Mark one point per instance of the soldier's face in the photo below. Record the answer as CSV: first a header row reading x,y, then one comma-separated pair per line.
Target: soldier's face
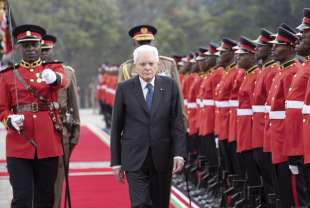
x,y
303,48
146,66
46,54
245,60
262,52
30,50
280,52
225,57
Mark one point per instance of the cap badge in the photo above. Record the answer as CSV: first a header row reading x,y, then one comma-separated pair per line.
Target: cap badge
x,y
143,30
28,33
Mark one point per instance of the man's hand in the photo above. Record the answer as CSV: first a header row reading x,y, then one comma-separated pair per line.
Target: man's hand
x,y
119,174
178,165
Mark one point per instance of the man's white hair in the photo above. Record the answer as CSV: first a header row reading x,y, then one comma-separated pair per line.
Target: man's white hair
x,y
143,49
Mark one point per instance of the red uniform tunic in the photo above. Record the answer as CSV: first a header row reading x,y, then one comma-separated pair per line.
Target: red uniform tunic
x,y
234,104
279,91
269,79
222,95
244,111
206,96
259,100
188,79
37,125
306,117
293,143
192,105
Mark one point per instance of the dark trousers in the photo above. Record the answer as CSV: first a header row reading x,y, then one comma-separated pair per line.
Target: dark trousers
x,y
149,188
250,168
266,170
208,149
284,184
235,159
32,182
302,187
225,160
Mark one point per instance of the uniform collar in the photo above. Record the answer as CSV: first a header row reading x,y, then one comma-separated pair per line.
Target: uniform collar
x,y
288,63
28,65
268,63
230,66
251,69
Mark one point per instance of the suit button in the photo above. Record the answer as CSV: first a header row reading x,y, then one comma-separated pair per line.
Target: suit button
x,y
270,124
31,70
31,80
34,116
290,89
304,120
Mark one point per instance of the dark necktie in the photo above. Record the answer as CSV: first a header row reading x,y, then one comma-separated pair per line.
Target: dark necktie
x,y
149,96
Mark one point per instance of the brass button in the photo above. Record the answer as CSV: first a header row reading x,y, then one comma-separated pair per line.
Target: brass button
x,y
34,116
270,124
290,89
304,120
31,70
31,80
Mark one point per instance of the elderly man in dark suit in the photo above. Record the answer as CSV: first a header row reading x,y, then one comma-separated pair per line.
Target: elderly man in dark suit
x,y
148,133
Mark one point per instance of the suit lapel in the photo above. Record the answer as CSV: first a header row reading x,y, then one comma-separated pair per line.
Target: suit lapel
x,y
139,94
157,95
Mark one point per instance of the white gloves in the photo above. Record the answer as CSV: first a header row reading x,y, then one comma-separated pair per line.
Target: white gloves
x,y
16,121
294,169
49,76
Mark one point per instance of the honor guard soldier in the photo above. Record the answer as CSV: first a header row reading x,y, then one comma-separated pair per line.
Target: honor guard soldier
x,y
261,90
284,53
246,60
68,113
205,100
28,108
221,97
293,146
303,49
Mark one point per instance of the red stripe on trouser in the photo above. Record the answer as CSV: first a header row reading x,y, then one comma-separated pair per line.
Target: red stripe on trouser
x,y
294,191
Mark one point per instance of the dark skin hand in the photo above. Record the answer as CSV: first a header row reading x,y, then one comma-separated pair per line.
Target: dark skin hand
x,y
30,50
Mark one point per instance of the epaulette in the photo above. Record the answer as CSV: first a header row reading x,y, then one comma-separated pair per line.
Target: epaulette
x,y
69,67
166,58
129,61
52,62
7,68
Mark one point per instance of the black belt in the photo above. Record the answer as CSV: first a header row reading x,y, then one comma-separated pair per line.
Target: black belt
x,y
35,107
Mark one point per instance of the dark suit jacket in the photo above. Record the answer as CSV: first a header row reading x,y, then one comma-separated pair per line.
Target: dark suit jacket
x,y
135,130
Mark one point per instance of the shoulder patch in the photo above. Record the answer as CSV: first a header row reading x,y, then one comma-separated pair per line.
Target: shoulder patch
x,y
166,58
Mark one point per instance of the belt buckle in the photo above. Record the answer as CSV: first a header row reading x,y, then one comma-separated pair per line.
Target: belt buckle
x,y
34,107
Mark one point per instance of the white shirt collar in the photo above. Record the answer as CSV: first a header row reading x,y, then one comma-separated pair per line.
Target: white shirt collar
x,y
144,83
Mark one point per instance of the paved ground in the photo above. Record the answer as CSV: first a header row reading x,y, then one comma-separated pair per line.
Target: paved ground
x,y
87,117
